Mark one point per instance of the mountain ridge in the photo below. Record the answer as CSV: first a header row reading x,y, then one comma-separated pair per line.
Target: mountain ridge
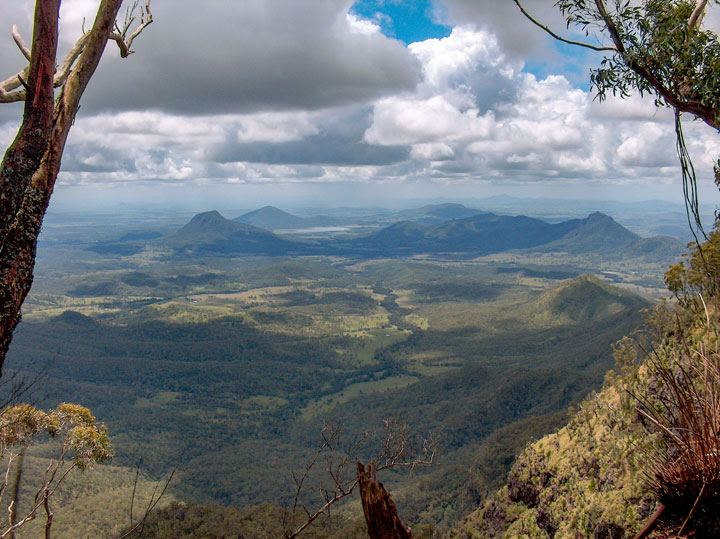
x,y
480,234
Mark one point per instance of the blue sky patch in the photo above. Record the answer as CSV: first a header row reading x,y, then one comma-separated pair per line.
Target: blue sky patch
x,y
573,62
406,20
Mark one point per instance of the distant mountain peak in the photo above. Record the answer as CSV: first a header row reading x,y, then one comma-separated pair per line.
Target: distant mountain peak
x,y
211,233
445,205
208,217
271,217
270,210
208,220
599,216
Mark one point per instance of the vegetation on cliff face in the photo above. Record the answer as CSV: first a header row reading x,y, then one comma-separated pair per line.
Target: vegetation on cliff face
x,y
585,478
648,439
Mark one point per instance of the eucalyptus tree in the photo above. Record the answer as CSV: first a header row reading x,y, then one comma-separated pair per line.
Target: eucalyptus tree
x,y
32,162
660,49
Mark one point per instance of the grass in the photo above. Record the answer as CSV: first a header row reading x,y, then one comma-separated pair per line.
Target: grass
x,y
327,403
373,340
431,363
161,398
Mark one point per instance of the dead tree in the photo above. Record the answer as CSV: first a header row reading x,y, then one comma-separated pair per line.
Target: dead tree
x,y
381,515
31,164
337,460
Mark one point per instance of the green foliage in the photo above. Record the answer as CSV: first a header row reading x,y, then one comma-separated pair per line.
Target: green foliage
x,y
660,54
689,281
71,427
72,424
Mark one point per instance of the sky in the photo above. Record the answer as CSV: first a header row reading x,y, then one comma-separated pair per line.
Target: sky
x,y
230,103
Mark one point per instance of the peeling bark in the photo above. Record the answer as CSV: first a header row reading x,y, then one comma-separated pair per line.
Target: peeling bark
x,y
31,164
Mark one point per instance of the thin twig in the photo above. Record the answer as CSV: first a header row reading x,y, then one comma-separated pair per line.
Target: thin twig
x,y
559,37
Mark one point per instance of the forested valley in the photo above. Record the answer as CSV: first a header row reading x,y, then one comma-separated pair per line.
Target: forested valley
x,y
227,366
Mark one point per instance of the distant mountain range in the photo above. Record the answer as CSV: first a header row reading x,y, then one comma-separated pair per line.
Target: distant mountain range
x,y
488,233
437,229
272,218
436,213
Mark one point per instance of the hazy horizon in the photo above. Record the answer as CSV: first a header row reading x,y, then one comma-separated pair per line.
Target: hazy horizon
x,y
364,102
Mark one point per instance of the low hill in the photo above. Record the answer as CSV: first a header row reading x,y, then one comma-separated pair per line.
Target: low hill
x,y
581,299
211,233
271,218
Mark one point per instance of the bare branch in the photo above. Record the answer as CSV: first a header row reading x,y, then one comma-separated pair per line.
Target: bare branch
x,y
12,508
698,13
559,37
154,500
7,95
396,448
48,513
20,42
146,18
118,36
63,72
11,89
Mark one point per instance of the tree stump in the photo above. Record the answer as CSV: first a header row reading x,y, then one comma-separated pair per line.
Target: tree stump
x,y
381,514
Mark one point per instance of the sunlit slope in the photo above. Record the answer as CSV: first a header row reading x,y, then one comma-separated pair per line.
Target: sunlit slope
x,y
581,300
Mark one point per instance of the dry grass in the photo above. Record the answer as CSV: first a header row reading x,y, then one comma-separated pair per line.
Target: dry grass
x,y
684,470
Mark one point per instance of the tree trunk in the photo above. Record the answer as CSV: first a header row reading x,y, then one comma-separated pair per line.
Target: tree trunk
x,y
31,164
18,234
381,514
